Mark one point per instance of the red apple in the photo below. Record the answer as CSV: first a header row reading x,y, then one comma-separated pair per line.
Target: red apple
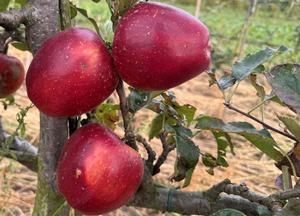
x,y
71,73
97,172
11,75
157,46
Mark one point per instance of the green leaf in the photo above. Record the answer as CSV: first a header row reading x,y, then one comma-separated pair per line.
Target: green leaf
x,y
292,125
108,114
285,81
228,212
3,5
84,13
259,138
222,161
188,112
22,129
20,45
73,11
96,1
226,81
209,160
259,88
187,155
156,126
9,100
138,99
243,68
188,177
167,104
293,156
223,141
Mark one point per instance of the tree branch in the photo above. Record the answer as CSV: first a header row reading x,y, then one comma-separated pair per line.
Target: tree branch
x,y
229,106
151,153
13,18
188,203
18,149
243,191
4,36
292,193
163,157
25,158
129,133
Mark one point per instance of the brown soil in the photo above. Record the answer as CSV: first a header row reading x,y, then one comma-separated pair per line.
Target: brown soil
x,y
18,184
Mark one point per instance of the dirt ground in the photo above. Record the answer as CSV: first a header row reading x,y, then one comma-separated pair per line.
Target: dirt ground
x,y
18,184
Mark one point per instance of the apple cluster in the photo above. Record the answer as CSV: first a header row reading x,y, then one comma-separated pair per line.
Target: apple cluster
x,y
155,47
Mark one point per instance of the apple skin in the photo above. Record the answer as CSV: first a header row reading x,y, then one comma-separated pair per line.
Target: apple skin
x,y
12,75
157,47
97,172
71,73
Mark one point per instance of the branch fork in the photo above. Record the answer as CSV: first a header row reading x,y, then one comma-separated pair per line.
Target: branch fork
x,y
12,19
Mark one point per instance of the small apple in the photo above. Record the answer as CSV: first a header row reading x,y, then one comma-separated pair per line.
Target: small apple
x,y
157,47
71,73
11,75
97,172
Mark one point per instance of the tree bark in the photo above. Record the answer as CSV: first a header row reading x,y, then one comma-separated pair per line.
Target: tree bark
x,y
194,203
53,131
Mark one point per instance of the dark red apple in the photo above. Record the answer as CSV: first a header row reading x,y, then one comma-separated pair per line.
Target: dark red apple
x,y
97,172
71,73
157,46
11,75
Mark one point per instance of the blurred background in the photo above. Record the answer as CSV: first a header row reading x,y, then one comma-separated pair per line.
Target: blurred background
x,y
237,29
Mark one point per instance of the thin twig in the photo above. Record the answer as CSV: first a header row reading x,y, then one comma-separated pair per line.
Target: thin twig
x,y
163,157
245,28
273,202
229,106
27,159
242,190
291,193
260,104
151,153
123,104
129,133
216,189
198,7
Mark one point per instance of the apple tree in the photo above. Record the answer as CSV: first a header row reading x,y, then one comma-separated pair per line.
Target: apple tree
x,y
82,164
